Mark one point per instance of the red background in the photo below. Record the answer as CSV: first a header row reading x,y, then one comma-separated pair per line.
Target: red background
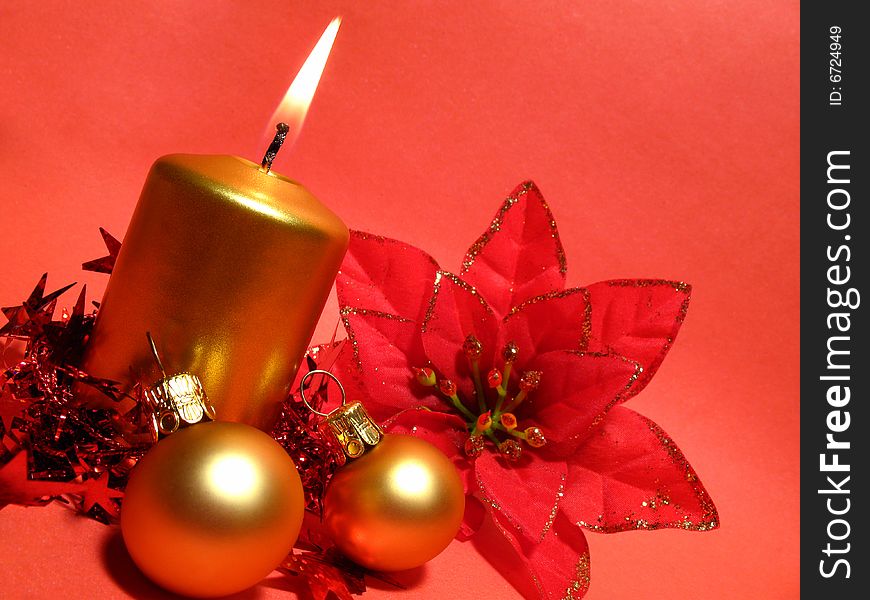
x,y
665,136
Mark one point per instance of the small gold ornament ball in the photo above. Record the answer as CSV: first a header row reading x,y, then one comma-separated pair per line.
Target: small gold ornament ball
x,y
397,506
212,509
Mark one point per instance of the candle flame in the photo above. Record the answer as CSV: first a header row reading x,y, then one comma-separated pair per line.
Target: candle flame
x,y
294,106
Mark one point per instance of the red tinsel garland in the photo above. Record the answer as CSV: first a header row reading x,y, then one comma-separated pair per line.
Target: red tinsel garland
x,y
547,426
54,449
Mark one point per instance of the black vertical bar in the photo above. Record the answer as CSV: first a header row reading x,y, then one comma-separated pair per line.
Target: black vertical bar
x,y
834,265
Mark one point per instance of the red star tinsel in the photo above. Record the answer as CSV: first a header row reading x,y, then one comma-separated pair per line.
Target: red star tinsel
x,y
53,448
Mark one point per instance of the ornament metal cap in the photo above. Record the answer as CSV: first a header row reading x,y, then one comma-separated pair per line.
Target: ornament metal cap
x,y
176,400
349,425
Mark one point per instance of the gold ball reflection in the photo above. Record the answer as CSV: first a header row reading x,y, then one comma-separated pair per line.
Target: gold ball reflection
x,y
397,506
212,509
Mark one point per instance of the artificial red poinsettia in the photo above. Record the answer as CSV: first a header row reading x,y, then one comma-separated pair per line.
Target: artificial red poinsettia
x,y
520,381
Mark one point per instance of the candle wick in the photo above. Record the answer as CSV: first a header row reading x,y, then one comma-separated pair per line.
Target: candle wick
x,y
272,151
156,355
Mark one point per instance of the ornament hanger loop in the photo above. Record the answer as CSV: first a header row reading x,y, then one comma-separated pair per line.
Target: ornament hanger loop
x,y
328,374
155,354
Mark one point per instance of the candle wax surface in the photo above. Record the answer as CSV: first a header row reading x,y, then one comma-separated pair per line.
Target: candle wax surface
x,y
228,267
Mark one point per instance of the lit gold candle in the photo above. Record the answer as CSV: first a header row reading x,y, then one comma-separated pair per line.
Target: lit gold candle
x,y
228,265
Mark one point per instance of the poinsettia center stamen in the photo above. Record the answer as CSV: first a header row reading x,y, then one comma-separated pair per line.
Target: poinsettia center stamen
x,y
510,449
448,388
493,380
533,436
482,424
508,421
528,382
424,376
472,349
509,355
474,446
500,424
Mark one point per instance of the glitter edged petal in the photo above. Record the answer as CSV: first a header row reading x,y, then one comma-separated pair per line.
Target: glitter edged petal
x,y
553,321
385,275
540,483
576,391
445,431
455,311
558,566
376,363
519,255
638,318
629,474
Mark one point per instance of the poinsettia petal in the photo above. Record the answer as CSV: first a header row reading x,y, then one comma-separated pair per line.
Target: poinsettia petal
x,y
377,362
445,431
472,520
539,482
629,474
456,310
520,255
554,321
386,275
558,566
575,392
638,318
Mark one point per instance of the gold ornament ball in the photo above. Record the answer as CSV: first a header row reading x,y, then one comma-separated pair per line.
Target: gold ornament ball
x,y
397,506
212,509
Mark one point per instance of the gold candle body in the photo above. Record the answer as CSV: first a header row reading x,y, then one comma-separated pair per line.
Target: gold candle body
x,y
228,267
